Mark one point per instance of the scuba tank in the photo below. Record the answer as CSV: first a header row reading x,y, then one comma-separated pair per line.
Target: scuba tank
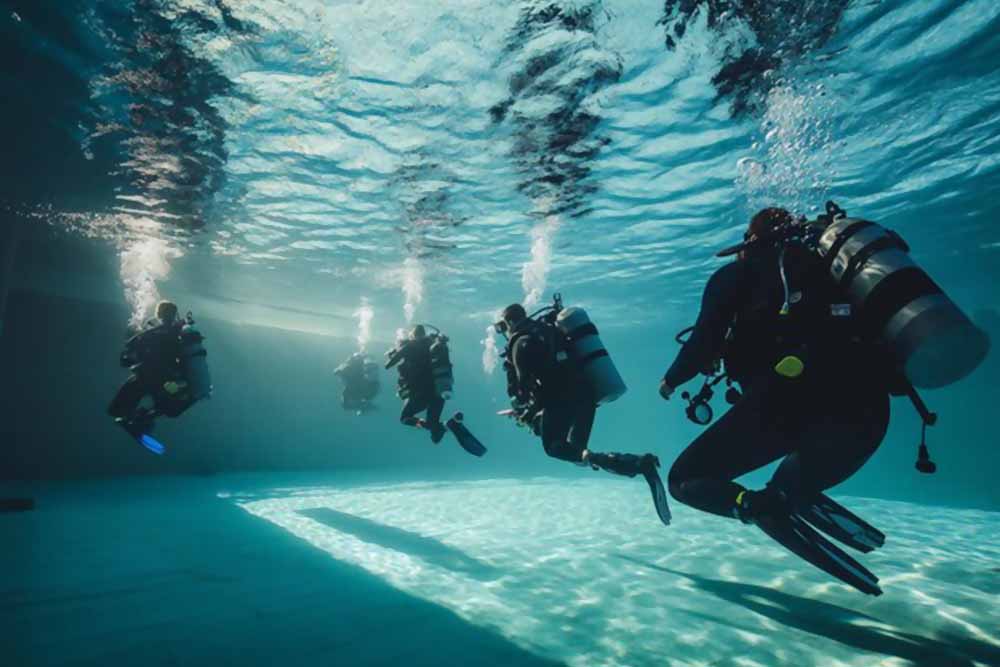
x,y
932,341
444,379
586,349
194,361
371,371
371,379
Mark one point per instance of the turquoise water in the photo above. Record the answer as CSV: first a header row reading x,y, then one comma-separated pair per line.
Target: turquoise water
x,y
309,177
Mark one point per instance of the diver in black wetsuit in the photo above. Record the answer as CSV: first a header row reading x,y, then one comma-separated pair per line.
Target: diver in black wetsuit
x,y
154,358
361,385
417,383
815,391
811,392
551,395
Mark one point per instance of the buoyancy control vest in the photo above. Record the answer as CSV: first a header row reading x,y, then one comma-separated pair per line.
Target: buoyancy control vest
x,y
155,346
572,352
172,356
424,366
889,302
803,329
894,306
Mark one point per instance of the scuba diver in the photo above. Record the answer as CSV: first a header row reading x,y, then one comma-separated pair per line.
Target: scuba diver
x,y
558,373
168,364
361,384
425,383
818,322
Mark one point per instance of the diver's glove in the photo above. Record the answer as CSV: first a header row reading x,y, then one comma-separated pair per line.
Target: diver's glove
x,y
525,413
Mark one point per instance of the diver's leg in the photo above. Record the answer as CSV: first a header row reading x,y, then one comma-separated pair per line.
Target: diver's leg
x,y
411,407
125,402
435,407
750,435
834,446
557,420
172,406
628,465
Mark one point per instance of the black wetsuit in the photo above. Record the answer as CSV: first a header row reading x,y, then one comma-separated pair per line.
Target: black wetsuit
x,y
568,408
416,377
156,356
359,389
826,423
539,377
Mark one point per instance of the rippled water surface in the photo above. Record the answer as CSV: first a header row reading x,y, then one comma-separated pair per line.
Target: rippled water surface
x,y
444,158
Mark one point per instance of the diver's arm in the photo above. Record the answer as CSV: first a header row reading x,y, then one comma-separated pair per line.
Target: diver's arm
x,y
702,349
395,355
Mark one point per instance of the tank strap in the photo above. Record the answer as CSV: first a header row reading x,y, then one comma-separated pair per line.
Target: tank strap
x,y
596,354
890,241
582,332
842,237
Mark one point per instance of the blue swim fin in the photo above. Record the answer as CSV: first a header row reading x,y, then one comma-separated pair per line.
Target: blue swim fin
x,y
151,443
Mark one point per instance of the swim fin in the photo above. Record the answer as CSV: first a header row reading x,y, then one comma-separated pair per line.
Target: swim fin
x,y
468,441
139,428
793,533
841,524
151,443
656,488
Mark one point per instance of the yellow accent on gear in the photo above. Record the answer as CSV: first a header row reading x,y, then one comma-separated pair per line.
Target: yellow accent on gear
x,y
790,367
172,387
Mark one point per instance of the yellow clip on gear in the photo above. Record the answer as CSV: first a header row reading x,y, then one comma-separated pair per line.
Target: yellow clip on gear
x,y
789,367
173,388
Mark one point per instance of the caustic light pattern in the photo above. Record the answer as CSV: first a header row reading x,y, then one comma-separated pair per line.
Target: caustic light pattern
x,y
582,572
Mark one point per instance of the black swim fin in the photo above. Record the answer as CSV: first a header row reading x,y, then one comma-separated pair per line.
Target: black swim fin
x,y
841,524
468,441
657,489
792,532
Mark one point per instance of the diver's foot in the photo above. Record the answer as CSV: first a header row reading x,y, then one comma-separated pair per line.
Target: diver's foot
x,y
751,505
648,464
136,427
437,432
